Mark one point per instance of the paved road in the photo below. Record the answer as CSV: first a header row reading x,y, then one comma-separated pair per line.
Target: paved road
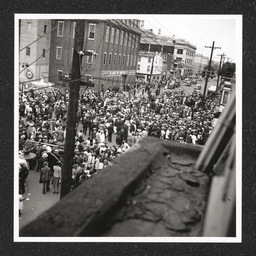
x,y
38,202
189,89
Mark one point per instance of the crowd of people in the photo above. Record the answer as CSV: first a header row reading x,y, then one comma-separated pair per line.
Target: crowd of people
x,y
108,124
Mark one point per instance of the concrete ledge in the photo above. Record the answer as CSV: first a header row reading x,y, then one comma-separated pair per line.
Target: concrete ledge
x,y
89,209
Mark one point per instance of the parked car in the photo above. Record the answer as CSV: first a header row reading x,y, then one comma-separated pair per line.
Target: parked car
x,y
194,81
197,87
188,83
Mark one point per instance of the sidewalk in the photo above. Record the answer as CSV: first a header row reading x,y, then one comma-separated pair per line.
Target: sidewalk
x,y
38,202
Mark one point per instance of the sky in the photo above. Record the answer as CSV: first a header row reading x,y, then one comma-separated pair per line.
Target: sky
x,y
201,31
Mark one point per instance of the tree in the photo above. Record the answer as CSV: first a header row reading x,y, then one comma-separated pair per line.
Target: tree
x,y
228,69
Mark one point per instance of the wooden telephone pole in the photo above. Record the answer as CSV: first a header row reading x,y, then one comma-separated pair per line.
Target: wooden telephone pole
x,y
221,55
209,67
74,87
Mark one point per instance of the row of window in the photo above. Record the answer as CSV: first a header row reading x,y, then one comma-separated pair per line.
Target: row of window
x,y
189,53
156,69
121,37
188,61
120,60
29,27
28,49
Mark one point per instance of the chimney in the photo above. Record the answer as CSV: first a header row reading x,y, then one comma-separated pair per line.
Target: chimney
x,y
142,24
151,30
159,31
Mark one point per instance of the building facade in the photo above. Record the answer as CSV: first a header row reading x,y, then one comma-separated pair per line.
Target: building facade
x,y
34,47
150,66
184,54
200,62
116,43
159,46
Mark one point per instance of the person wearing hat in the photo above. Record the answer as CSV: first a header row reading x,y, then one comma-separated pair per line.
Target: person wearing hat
x,y
44,175
41,160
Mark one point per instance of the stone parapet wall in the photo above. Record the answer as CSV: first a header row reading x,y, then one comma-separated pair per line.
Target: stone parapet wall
x,y
95,207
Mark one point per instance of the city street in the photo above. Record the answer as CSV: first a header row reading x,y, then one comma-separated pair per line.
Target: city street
x,y
190,89
38,202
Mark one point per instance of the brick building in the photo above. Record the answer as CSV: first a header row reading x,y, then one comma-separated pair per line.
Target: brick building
x,y
116,43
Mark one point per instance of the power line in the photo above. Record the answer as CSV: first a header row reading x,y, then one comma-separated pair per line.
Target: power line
x,y
39,38
42,54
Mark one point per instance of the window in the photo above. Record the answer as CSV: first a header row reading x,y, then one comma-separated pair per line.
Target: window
x,y
138,68
131,59
114,61
45,29
60,74
121,37
105,58
123,59
180,51
139,59
43,53
225,97
148,68
134,64
110,59
128,40
72,52
91,32
90,58
60,28
107,34
58,53
132,41
117,36
149,60
29,26
125,39
112,35
74,29
128,58
27,51
119,59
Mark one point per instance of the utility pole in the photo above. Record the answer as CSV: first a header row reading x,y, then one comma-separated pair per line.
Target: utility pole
x,y
74,87
209,66
221,55
152,67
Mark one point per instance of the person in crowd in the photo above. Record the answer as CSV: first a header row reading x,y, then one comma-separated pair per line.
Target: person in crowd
x,y
45,176
56,177
161,113
23,174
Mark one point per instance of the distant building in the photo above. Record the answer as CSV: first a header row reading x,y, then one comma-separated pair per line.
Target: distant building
x,y
34,47
116,43
184,54
200,62
160,46
150,66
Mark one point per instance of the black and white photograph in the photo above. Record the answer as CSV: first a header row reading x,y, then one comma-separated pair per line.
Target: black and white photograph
x,y
128,128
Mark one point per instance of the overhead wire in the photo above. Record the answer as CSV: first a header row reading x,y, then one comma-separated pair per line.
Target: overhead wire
x,y
42,53
39,38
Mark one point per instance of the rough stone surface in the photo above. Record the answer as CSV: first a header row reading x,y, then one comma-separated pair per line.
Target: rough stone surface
x,y
143,194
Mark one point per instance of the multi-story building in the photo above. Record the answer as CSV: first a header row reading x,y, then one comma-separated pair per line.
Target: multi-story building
x,y
116,43
150,66
159,46
184,54
34,47
200,62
